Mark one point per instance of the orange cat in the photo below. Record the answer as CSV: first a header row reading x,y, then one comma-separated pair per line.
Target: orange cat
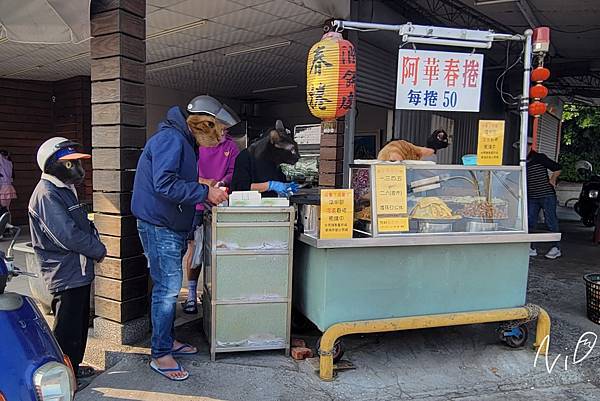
x,y
402,150
206,129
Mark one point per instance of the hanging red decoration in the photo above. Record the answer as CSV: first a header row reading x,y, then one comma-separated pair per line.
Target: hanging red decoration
x,y
540,74
331,77
536,109
538,91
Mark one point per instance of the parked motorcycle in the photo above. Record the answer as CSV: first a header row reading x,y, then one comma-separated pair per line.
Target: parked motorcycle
x,y
589,198
6,229
32,364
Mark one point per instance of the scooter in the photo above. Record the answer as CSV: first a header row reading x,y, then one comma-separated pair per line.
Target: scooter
x,y
32,364
589,199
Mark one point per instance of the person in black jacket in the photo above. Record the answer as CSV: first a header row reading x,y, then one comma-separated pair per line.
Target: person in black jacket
x,y
258,168
66,244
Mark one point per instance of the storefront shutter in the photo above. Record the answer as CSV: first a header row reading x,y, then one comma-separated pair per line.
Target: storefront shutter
x,y
547,135
376,75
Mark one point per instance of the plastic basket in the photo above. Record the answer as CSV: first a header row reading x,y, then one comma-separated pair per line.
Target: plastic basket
x,y
469,160
592,295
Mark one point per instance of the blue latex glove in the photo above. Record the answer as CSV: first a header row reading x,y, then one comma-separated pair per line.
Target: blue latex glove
x,y
283,188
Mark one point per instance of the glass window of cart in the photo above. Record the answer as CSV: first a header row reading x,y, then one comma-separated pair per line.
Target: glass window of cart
x,y
446,199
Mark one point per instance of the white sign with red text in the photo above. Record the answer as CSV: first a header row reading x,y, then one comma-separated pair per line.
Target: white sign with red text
x,y
431,80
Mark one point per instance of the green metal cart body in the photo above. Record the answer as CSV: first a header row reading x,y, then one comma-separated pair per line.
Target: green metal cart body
x,y
378,278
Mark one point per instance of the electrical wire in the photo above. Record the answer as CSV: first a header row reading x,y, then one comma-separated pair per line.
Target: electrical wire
x,y
500,79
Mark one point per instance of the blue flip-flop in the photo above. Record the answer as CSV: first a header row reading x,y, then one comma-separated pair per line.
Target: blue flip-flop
x,y
179,352
164,371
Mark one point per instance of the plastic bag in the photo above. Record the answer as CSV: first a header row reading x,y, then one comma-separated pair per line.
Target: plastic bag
x,y
198,248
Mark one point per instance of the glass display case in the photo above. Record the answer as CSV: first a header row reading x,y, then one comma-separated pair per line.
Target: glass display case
x,y
418,197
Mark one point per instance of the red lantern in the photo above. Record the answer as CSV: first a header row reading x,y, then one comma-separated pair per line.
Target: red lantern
x,y
331,77
540,74
536,109
538,91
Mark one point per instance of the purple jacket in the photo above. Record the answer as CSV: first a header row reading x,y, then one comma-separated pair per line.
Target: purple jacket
x,y
217,162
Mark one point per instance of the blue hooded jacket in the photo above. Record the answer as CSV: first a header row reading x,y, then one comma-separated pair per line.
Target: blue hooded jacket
x,y
166,188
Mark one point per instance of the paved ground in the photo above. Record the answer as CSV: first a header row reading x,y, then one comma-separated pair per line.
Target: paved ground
x,y
462,363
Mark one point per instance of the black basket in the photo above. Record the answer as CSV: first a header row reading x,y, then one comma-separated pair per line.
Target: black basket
x,y
592,295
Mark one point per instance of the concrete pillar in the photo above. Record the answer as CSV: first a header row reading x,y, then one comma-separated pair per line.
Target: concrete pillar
x,y
118,54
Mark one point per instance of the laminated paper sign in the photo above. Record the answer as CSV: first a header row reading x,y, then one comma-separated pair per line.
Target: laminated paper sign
x,y
432,80
337,213
390,189
490,143
392,224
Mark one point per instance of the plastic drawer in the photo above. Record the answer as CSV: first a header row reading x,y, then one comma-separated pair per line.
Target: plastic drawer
x,y
252,277
251,325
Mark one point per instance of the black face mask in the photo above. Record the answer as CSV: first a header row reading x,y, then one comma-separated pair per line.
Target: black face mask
x,y
70,172
437,141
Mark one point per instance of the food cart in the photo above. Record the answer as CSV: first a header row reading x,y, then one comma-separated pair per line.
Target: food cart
x,y
432,245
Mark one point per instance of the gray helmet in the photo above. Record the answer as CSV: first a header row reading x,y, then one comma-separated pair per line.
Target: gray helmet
x,y
211,106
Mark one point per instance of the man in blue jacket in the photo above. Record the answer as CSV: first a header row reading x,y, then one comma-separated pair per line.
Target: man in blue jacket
x,y
165,193
66,244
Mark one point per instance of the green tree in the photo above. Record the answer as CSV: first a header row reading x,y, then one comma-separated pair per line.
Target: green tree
x,y
580,139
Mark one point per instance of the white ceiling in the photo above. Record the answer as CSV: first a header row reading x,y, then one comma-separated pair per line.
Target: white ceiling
x,y
233,25
229,26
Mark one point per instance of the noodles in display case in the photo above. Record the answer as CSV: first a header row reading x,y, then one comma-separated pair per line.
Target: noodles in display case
x,y
409,198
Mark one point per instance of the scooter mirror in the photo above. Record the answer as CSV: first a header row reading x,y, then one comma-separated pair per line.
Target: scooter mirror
x,y
4,221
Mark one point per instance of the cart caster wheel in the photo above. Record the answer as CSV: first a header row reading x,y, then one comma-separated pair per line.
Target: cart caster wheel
x,y
338,349
516,337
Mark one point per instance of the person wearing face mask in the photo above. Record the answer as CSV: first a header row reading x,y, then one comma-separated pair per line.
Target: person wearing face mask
x,y
215,169
437,140
258,168
166,191
66,244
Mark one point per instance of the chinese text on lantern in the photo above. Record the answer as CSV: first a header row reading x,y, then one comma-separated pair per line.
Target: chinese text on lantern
x,y
331,77
431,80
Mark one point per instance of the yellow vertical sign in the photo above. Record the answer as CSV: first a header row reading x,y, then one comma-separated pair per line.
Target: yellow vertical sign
x,y
337,213
390,189
490,143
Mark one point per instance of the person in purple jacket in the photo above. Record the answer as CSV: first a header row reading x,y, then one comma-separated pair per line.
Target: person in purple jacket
x,y
215,169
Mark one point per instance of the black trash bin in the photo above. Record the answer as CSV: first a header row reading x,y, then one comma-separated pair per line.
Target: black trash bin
x,y
592,295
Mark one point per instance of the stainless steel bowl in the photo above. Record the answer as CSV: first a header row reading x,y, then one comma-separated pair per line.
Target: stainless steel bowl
x,y
427,227
480,226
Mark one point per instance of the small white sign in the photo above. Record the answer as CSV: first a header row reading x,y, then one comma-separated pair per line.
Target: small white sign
x,y
309,134
432,80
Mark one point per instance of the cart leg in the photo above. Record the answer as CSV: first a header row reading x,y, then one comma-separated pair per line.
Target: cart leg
x,y
542,332
213,355
326,354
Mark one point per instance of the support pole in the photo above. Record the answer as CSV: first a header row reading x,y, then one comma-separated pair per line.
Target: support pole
x,y
118,72
524,132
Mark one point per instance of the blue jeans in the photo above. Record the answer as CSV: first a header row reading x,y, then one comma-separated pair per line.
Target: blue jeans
x,y
164,250
548,205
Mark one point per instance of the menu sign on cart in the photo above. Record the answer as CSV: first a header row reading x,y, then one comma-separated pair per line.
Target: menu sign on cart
x,y
391,198
337,213
432,80
490,143
392,224
390,189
